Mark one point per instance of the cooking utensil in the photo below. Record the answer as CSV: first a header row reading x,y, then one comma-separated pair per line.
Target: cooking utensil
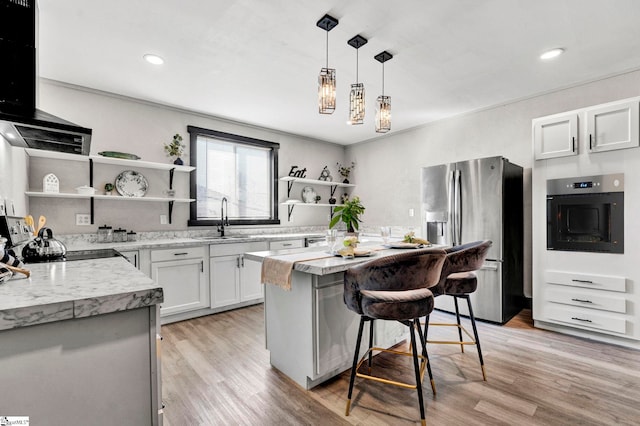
x,y
43,247
28,221
23,271
41,222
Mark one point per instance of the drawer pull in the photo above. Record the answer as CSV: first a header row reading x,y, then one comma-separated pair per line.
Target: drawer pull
x,y
582,300
181,254
583,281
286,244
581,319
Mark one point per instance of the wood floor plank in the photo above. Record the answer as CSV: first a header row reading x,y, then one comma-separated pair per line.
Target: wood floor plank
x,y
216,371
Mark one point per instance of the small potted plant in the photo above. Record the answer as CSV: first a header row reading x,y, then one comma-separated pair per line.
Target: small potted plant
x,y
345,171
175,149
349,213
108,187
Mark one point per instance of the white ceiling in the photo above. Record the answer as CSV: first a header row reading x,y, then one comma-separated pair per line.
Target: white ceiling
x,y
257,61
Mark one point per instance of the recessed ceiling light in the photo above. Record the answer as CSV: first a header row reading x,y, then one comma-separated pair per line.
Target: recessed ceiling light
x,y
153,59
553,53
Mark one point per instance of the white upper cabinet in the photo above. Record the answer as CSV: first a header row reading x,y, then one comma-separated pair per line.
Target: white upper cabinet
x,y
604,127
612,126
555,136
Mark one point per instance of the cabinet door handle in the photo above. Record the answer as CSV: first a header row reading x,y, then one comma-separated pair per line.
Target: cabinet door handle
x,y
583,281
181,254
238,262
286,244
242,260
202,266
581,319
135,260
590,144
581,300
573,142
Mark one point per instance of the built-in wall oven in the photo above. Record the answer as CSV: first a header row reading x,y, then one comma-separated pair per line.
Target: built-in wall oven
x,y
586,213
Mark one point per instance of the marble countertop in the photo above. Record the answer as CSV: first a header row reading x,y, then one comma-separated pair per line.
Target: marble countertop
x,y
184,242
329,264
64,290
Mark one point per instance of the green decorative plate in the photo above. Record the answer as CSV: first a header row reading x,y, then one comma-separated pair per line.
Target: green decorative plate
x,y
116,154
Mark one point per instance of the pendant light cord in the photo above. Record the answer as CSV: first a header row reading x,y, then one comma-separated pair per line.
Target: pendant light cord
x,y
357,66
383,79
327,66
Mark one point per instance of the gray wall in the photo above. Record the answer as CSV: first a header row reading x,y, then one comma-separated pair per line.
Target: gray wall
x,y
388,169
138,127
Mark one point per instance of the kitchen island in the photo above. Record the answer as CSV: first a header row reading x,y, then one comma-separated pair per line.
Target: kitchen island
x,y
310,333
78,344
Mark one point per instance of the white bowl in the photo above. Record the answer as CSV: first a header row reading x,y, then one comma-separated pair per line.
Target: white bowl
x,y
85,190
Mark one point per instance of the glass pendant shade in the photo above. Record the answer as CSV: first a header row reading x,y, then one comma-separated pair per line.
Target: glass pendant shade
x,y
383,114
327,91
356,104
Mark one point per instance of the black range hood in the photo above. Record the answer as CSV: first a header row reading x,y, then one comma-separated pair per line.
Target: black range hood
x,y
41,130
21,124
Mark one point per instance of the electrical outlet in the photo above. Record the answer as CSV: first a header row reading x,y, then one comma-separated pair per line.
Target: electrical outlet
x,y
83,219
411,212
163,219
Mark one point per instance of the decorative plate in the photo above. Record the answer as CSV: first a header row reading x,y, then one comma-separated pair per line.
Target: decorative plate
x,y
116,154
308,194
131,184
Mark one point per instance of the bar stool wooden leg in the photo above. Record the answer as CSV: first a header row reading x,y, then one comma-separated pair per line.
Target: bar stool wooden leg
x,y
355,365
475,334
370,343
423,339
416,367
455,302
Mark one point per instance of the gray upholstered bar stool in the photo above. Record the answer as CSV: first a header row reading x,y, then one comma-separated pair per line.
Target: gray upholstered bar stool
x,y
459,280
394,288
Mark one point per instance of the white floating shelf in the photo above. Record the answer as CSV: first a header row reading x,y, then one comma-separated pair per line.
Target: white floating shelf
x,y
317,182
105,197
107,160
312,204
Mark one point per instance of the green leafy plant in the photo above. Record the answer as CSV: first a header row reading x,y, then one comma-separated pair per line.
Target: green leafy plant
x,y
349,213
108,186
176,147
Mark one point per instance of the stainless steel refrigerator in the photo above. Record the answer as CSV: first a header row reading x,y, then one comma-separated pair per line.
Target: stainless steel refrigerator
x,y
480,199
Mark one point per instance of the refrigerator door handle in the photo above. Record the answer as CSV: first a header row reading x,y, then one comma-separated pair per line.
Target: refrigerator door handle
x,y
451,210
458,209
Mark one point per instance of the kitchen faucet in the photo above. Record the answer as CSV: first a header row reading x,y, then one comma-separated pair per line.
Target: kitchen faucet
x,y
222,217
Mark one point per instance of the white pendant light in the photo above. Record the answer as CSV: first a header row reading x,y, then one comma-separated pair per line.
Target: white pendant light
x,y
356,96
383,103
327,77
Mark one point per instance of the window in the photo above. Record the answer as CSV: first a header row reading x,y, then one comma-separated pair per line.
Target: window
x,y
240,169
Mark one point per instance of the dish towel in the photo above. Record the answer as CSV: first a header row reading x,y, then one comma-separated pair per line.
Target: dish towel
x,y
277,270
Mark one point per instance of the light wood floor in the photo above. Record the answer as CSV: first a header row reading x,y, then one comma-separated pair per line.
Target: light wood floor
x,y
216,372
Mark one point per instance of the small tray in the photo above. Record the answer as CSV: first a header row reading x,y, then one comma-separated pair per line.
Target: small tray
x,y
403,245
364,253
116,154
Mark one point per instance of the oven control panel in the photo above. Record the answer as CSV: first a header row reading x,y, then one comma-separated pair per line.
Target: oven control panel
x,y
586,184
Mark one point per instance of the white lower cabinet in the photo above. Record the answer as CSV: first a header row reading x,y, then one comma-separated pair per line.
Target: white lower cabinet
x,y
181,274
586,301
225,280
333,318
133,256
233,279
